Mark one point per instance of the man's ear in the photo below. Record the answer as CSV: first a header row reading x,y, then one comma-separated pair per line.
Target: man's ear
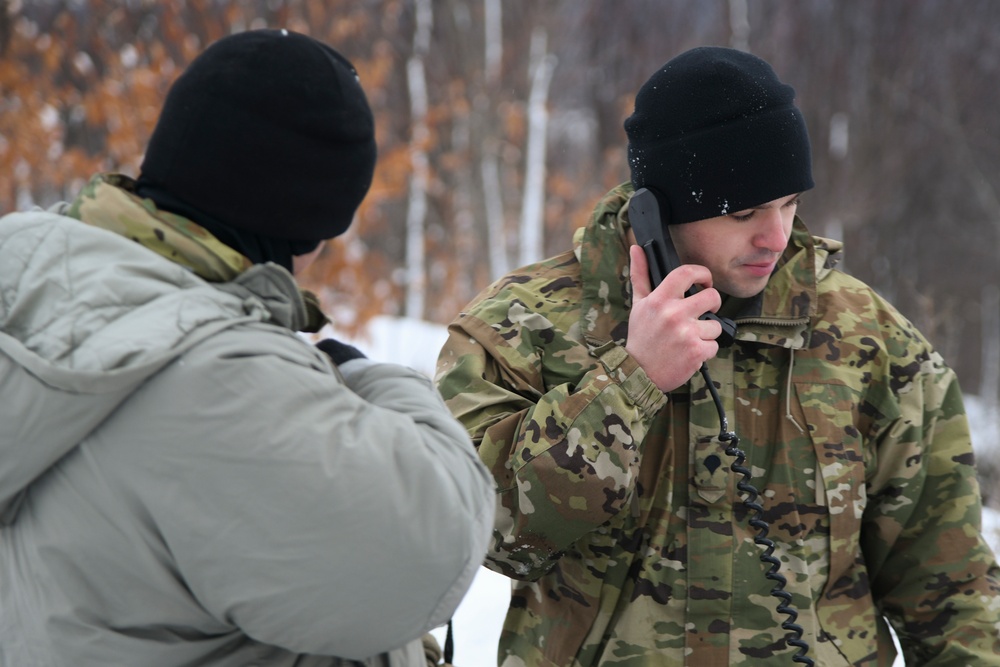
x,y
302,262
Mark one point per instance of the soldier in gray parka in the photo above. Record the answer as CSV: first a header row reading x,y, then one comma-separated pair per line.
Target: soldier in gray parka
x,y
185,480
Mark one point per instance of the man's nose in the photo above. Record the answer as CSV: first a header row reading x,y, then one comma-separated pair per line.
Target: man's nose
x,y
771,234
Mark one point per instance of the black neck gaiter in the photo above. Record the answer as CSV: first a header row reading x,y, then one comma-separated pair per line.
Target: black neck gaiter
x,y
258,249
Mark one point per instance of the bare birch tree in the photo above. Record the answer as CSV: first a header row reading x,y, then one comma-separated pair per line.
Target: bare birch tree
x,y
739,25
533,201
496,236
416,213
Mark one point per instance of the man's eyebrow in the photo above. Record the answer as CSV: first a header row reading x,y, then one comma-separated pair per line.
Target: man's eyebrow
x,y
787,198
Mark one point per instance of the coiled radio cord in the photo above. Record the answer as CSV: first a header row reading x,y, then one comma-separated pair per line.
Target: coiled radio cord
x,y
731,440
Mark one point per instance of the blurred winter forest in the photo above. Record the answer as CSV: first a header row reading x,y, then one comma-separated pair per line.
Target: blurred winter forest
x,y
500,125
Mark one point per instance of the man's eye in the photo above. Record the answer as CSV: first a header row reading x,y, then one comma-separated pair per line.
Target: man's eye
x,y
742,217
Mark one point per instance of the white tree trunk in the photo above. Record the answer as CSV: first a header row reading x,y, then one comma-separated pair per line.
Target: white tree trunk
x,y
739,25
416,213
493,42
532,206
496,236
489,169
989,389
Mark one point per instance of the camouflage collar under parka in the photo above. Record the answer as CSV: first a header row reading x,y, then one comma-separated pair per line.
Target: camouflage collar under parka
x,y
619,517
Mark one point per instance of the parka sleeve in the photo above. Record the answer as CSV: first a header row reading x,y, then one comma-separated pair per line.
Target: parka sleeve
x,y
933,575
560,429
328,516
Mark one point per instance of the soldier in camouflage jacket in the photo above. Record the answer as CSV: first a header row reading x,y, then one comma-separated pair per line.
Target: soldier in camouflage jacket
x,y
619,517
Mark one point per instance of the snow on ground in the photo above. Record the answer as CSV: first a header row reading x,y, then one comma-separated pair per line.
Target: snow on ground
x,y
477,623
412,343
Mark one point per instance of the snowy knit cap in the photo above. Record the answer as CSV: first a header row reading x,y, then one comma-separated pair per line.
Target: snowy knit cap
x,y
715,131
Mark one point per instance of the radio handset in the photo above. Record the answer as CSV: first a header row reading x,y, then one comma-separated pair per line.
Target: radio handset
x,y
648,218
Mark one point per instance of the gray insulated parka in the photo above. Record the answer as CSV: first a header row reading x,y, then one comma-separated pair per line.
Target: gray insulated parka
x,y
186,481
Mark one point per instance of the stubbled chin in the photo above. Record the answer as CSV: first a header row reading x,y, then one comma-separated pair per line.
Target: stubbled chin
x,y
744,289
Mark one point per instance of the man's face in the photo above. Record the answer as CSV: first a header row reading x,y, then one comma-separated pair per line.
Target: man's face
x,y
740,249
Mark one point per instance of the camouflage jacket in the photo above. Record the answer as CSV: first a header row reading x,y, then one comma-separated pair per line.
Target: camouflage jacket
x,y
620,520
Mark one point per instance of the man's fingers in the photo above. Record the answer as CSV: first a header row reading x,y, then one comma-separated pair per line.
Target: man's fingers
x,y
639,272
709,329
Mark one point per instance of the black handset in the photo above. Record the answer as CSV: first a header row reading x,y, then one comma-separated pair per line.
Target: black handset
x,y
646,213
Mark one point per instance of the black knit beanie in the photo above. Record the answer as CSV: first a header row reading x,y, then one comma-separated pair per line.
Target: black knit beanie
x,y
715,132
267,140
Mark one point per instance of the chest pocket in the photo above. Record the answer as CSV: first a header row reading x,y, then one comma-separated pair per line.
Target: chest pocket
x,y
806,456
782,444
846,610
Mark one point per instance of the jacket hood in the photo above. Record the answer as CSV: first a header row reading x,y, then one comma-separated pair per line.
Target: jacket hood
x,y
86,316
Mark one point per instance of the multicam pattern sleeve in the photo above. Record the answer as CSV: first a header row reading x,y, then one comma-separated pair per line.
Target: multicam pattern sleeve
x,y
933,575
546,412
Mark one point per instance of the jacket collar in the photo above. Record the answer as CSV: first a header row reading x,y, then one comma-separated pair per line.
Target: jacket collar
x,y
780,315
109,201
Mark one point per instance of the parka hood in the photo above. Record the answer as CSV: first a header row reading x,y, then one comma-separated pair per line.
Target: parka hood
x,y
86,316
